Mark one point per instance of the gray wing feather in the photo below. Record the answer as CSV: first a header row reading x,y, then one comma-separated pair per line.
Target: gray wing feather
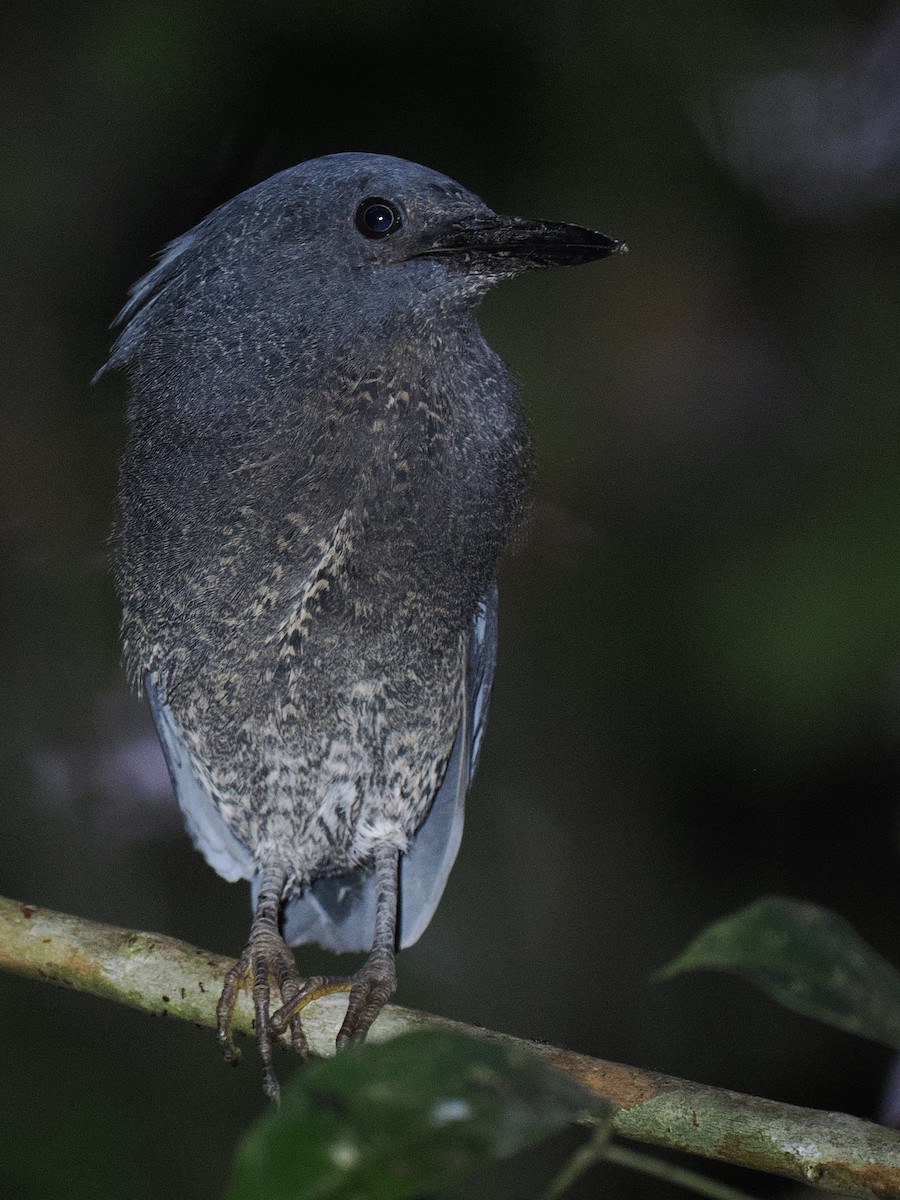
x,y
208,831
339,913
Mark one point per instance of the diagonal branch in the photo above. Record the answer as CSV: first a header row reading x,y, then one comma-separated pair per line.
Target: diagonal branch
x,y
163,976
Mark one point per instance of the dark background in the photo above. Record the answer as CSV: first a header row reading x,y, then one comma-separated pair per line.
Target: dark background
x,y
698,697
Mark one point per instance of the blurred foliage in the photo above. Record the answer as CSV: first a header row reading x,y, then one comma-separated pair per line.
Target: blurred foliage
x,y
807,958
697,693
384,1122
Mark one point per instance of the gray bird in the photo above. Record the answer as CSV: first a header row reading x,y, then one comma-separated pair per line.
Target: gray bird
x,y
324,463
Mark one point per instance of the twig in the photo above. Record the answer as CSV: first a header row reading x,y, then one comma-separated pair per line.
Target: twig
x,y
702,1185
580,1163
161,975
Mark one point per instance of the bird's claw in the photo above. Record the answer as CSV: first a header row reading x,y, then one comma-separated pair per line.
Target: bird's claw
x,y
372,986
310,989
370,989
265,958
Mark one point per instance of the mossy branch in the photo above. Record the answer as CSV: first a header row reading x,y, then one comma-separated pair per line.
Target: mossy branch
x,y
163,976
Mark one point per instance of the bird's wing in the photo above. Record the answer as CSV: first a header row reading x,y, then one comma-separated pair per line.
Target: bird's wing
x,y
339,912
209,833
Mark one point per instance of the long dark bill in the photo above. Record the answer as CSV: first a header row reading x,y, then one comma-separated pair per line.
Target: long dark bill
x,y
528,245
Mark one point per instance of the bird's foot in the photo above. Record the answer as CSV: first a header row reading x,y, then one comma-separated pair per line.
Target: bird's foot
x,y
370,989
373,985
265,958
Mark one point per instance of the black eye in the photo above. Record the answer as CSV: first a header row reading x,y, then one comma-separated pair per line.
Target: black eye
x,y
376,218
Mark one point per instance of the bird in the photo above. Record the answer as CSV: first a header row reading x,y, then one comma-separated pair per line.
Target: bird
x,y
324,463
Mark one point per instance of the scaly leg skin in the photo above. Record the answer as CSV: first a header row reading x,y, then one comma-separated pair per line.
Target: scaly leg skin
x,y
265,957
371,988
376,981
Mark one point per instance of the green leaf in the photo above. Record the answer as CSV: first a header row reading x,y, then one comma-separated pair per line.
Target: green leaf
x,y
809,959
383,1122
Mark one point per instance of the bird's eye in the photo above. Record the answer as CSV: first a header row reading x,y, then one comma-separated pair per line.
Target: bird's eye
x,y
376,218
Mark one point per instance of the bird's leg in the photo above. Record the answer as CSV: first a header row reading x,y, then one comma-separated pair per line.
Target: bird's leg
x,y
265,957
375,982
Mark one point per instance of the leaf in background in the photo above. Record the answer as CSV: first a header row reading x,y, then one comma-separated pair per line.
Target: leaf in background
x,y
809,959
383,1122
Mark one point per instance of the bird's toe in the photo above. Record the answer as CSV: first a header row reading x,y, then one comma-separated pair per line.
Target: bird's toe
x,y
265,959
372,987
309,990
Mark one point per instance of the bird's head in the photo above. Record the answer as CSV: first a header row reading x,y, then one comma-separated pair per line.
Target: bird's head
x,y
320,255
388,225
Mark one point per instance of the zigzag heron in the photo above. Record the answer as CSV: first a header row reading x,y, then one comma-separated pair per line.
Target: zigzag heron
x,y
324,463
